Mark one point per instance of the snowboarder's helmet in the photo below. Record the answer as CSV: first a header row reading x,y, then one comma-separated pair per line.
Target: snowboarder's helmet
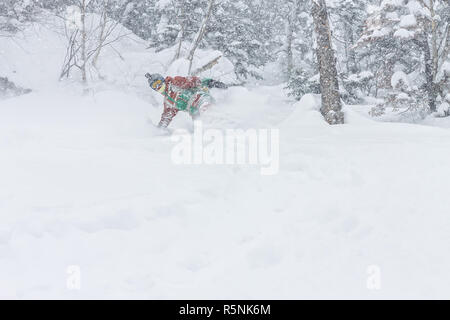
x,y
156,81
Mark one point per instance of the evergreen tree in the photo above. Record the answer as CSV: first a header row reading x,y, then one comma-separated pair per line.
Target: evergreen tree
x,y
301,83
138,16
329,86
177,20
13,13
347,19
241,29
409,35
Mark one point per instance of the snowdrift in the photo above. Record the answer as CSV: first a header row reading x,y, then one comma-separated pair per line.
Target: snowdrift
x,y
87,184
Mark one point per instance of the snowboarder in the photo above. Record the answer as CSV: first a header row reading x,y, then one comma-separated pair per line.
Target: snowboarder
x,y
190,94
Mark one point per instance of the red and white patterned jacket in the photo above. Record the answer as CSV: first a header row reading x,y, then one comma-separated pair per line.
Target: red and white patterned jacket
x,y
173,88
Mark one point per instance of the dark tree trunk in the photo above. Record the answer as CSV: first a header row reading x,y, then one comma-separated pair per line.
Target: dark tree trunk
x,y
430,86
290,25
289,55
331,101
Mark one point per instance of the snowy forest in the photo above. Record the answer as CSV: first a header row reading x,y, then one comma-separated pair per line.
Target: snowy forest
x,y
393,54
358,89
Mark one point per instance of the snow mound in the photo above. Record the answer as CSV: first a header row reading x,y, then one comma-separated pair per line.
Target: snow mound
x,y
306,113
355,118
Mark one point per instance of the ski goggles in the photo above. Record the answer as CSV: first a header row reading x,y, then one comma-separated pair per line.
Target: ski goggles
x,y
156,85
162,89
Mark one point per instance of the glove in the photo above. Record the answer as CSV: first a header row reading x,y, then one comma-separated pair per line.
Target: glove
x,y
217,84
149,79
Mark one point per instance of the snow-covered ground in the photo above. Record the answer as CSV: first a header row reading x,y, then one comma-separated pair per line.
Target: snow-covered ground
x,y
87,181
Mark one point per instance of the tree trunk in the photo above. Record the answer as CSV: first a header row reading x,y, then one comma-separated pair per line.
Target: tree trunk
x,y
331,101
180,38
289,57
430,86
445,45
434,40
429,76
290,24
353,66
434,59
101,37
207,66
83,41
200,34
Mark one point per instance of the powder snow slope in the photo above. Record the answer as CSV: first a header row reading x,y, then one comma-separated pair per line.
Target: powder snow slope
x,y
87,181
